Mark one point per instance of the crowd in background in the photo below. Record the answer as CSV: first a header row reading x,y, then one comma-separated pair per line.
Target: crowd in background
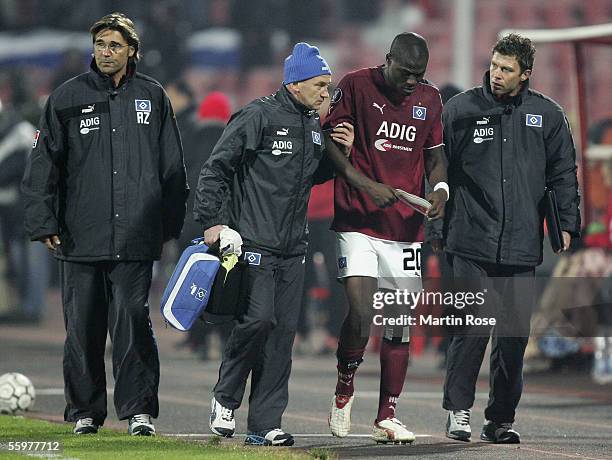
x,y
204,91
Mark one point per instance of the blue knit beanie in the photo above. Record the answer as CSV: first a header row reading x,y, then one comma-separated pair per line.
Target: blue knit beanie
x,y
305,62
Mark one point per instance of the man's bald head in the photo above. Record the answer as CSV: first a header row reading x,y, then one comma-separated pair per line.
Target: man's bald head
x,y
410,47
406,62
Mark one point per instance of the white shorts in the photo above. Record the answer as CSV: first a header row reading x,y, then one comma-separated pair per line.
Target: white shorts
x,y
396,264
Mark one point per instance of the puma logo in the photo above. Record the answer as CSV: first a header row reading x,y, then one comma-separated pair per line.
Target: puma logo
x,y
374,104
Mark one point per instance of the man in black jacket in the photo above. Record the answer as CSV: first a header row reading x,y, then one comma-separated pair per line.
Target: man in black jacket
x,y
505,144
258,181
104,188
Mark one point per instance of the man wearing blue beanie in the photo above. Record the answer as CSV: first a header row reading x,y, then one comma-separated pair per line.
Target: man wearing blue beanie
x,y
304,63
257,181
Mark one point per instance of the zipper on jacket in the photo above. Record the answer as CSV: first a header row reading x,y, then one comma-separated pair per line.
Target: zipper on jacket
x,y
503,194
299,187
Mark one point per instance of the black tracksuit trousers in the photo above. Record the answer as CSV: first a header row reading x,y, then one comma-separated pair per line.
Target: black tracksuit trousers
x,y
100,298
261,342
509,339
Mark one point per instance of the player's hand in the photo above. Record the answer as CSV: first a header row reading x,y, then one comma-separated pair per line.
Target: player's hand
x,y
211,235
344,134
382,194
437,245
51,241
438,201
567,241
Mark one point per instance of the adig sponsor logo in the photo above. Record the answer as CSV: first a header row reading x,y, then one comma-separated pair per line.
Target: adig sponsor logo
x,y
280,147
483,134
86,125
384,145
397,131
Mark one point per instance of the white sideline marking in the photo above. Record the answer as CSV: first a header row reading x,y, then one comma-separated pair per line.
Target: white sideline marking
x,y
59,391
414,394
300,435
49,391
361,394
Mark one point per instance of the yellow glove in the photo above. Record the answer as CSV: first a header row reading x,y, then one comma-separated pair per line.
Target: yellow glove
x,y
228,263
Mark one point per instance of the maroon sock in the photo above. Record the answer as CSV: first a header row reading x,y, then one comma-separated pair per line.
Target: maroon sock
x,y
393,367
348,361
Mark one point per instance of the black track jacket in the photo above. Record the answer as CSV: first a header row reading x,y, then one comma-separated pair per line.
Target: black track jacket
x,y
106,172
259,175
501,156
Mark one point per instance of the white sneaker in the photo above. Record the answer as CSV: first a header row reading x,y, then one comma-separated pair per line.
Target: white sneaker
x,y
458,425
85,426
391,430
221,421
141,425
340,415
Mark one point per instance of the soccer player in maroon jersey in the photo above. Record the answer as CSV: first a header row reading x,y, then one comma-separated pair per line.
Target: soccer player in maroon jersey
x,y
398,140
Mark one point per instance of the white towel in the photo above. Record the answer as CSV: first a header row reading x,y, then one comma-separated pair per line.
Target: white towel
x,y
230,242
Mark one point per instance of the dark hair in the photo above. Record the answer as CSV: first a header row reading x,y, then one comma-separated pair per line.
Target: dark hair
x,y
519,47
122,24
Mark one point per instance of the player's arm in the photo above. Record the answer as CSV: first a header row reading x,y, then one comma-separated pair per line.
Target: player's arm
x,y
383,195
344,135
435,168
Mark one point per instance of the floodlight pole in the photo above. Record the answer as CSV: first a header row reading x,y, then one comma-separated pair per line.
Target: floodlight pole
x,y
582,120
463,55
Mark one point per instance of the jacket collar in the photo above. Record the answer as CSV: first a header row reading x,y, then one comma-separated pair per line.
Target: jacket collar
x,y
287,99
103,81
515,100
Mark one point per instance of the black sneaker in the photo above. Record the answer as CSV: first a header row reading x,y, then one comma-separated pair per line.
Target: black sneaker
x,y
274,437
85,426
499,433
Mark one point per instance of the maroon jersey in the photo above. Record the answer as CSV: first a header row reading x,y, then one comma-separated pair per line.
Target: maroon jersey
x,y
391,132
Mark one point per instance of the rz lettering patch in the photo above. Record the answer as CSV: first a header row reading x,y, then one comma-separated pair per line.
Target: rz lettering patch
x,y
143,111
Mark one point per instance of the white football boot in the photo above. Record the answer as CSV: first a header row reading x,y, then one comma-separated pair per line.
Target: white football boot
x,y
340,415
391,430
